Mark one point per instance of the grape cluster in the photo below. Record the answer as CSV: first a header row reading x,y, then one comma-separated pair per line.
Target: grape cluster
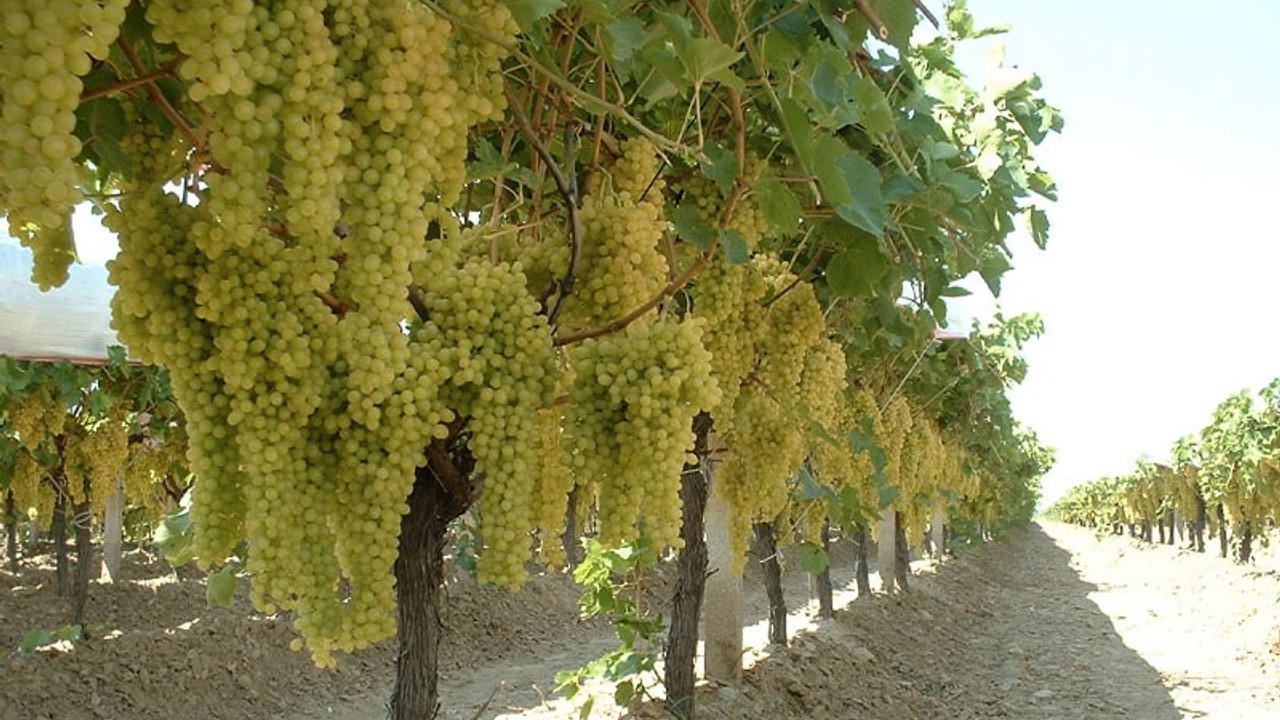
x,y
337,136
486,331
823,389
795,323
152,462
768,437
629,424
46,46
728,300
96,455
747,219
34,419
621,265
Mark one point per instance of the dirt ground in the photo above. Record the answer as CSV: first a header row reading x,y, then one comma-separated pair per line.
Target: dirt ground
x,y
1055,624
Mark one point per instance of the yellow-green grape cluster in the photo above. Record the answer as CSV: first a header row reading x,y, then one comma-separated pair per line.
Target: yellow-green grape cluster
x,y
46,46
621,265
156,153
339,132
746,219
95,456
629,422
919,475
896,422
823,390
486,330
795,323
636,172
864,418
728,300
152,464
823,385
34,418
767,444
53,249
555,482
155,313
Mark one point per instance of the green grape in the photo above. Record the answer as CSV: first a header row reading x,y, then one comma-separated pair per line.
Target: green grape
x,y
629,424
487,333
728,301
621,266
766,444
279,301
795,323
747,218
46,46
95,457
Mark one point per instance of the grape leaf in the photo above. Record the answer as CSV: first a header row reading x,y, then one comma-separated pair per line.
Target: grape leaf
x,y
220,588
529,12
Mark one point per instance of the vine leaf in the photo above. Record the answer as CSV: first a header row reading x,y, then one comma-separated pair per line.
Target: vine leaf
x,y
873,106
624,37
813,559
779,204
691,227
529,12
857,270
221,587
851,184
101,125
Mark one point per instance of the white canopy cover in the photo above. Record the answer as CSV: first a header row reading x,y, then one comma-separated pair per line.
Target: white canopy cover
x,y
71,322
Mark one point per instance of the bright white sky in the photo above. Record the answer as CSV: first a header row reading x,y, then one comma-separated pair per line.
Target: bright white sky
x,y
1159,288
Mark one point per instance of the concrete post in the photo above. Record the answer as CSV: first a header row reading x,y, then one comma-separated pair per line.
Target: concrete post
x,y
722,609
113,533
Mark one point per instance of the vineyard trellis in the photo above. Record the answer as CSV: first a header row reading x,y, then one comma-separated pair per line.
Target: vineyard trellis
x,y
406,261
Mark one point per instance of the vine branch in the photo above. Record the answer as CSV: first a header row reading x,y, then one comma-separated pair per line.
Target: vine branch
x,y
865,8
566,189
124,85
158,97
671,289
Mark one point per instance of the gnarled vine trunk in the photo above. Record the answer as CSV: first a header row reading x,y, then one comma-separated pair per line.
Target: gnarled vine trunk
x,y
442,491
11,530
767,550
822,581
1223,545
902,557
861,572
83,522
572,537
679,677
1197,528
58,526
1245,551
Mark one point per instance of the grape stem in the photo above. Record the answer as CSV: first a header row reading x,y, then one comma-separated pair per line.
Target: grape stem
x,y
419,303
565,286
165,71
813,263
672,288
338,307
158,97
924,10
881,29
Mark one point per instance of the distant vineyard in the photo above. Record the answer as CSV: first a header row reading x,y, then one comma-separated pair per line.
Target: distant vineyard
x,y
1225,481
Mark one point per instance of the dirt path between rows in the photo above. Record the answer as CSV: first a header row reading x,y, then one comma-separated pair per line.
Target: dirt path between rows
x,y
1055,624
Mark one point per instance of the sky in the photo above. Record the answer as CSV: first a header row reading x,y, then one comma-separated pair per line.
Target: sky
x,y
1159,286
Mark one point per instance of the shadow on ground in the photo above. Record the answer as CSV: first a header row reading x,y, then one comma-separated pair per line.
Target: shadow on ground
x,y
1008,630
